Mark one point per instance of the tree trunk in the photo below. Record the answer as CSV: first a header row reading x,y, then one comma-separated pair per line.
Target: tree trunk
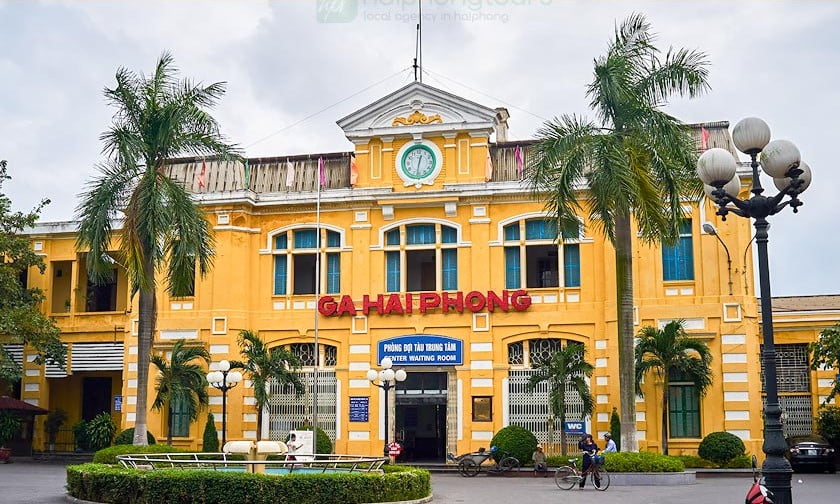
x,y
665,416
563,432
169,424
145,333
624,305
259,421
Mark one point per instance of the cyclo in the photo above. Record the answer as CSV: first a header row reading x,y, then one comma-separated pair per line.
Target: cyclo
x,y
470,464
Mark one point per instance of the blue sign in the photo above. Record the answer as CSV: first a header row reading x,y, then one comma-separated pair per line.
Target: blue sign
x,y
573,427
422,350
117,403
359,409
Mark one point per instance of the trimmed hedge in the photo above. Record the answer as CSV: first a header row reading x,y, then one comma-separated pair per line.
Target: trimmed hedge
x,y
629,462
102,483
695,462
641,462
109,455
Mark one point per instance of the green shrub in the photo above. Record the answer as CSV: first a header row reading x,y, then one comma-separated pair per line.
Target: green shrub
x,y
323,443
80,436
100,431
9,426
695,462
210,439
559,460
101,483
109,455
641,462
517,441
615,429
828,424
127,437
739,462
721,447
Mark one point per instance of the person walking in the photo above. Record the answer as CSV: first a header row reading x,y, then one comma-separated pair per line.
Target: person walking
x,y
589,449
610,448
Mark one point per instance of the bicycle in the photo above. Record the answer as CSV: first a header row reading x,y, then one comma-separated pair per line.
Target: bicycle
x,y
567,477
470,464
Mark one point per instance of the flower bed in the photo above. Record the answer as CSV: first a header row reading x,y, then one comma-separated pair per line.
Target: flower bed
x,y
103,483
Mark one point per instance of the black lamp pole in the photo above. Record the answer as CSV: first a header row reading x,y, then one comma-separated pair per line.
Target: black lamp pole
x,y
776,468
386,386
219,380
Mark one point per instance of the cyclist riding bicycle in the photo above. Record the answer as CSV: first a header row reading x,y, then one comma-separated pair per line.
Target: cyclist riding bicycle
x,y
589,449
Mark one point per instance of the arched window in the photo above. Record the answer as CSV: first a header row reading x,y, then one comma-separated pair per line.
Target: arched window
x,y
421,257
536,260
328,357
294,261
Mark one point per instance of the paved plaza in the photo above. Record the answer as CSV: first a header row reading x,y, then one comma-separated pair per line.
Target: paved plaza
x,y
38,483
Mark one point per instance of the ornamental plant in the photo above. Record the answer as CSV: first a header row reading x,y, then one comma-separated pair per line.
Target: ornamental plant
x,y
518,441
210,439
721,447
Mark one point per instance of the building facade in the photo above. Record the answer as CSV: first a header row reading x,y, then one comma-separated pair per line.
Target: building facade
x,y
422,244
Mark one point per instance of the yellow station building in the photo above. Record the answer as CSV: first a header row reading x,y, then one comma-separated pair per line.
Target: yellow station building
x,y
433,252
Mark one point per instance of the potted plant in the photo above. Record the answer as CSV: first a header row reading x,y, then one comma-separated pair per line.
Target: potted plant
x,y
55,419
67,305
9,427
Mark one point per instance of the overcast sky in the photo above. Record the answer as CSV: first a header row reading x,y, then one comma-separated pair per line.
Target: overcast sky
x,y
285,61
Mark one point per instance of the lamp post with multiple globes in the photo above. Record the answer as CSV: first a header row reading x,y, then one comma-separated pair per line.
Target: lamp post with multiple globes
x,y
717,168
387,381
224,379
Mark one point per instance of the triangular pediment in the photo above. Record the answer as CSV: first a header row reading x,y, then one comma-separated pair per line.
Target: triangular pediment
x,y
418,108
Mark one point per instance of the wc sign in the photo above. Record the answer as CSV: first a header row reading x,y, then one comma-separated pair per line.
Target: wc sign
x,y
573,427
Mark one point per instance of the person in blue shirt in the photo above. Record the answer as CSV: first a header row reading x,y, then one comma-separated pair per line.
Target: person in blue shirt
x,y
610,448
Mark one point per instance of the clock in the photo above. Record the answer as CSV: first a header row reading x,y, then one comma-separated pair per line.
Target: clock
x,y
418,162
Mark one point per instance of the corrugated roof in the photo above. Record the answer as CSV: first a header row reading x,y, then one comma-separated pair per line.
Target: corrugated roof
x,y
806,303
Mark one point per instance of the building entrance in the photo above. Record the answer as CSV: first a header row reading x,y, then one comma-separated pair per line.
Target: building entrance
x,y
421,416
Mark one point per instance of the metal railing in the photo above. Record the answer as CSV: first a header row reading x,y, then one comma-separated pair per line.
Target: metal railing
x,y
226,461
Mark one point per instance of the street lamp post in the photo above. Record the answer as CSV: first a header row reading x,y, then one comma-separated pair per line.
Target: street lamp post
x,y
224,379
709,228
779,159
387,380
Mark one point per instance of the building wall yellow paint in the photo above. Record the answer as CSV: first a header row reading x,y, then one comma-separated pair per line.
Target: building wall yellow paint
x,y
238,294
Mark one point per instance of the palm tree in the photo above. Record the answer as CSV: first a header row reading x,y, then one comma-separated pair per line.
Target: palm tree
x,y
181,381
671,352
565,367
263,364
157,118
636,162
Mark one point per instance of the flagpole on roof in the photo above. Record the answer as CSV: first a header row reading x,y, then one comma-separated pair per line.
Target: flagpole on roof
x,y
318,182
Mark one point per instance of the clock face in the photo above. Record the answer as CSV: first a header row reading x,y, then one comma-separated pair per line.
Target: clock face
x,y
418,162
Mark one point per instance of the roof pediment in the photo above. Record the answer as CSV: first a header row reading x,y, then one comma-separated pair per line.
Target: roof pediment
x,y
417,109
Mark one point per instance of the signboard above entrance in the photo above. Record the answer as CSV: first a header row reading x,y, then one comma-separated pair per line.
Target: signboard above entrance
x,y
422,350
424,302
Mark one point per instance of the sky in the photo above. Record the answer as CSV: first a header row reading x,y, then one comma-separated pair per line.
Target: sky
x,y
294,67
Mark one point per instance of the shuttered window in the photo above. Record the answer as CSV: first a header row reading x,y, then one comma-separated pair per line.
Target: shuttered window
x,y
180,418
333,273
678,259
392,271
571,265
684,410
450,269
